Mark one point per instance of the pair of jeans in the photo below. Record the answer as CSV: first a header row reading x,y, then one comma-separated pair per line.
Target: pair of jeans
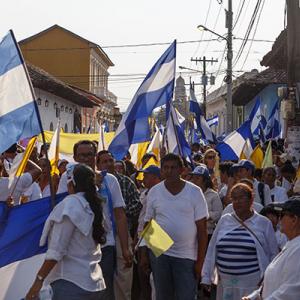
x,y
63,289
108,267
174,277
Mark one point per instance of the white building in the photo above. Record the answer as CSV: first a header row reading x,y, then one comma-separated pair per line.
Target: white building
x,y
56,100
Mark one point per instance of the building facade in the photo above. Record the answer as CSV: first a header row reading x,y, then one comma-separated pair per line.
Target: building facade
x,y
57,100
79,63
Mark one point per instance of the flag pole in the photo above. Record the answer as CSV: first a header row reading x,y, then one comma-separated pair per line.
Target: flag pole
x,y
53,202
172,119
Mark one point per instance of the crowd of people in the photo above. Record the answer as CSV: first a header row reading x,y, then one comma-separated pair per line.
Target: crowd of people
x,y
235,227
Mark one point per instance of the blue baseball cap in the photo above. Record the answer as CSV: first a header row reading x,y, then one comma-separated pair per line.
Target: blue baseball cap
x,y
201,170
247,164
152,170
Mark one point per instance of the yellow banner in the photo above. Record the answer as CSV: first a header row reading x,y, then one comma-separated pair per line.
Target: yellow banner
x,y
67,140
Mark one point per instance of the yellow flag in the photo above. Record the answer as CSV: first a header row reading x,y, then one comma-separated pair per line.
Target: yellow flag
x,y
247,150
268,160
257,156
26,156
155,144
150,162
142,149
156,238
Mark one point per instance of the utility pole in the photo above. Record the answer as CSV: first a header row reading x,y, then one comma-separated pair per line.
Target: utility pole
x,y
204,77
229,16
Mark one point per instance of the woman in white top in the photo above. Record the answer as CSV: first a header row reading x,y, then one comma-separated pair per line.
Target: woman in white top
x,y
241,247
74,231
44,180
281,278
201,178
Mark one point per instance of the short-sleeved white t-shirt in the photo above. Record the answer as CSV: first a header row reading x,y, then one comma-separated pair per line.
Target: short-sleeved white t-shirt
x,y
177,214
117,201
23,184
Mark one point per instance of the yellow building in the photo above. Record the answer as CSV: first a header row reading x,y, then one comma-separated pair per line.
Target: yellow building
x,y
78,62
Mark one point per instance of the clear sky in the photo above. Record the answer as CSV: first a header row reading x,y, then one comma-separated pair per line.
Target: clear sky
x,y
119,22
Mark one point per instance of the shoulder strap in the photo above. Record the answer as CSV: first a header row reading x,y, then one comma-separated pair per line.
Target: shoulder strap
x,y
261,192
246,227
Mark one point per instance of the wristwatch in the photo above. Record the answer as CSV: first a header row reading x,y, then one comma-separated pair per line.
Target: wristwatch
x,y
39,277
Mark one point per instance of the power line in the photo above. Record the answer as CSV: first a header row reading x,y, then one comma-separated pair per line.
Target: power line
x,y
240,9
254,33
243,16
214,27
202,33
139,45
248,31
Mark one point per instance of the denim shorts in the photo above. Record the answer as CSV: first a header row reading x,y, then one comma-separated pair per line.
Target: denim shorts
x,y
66,290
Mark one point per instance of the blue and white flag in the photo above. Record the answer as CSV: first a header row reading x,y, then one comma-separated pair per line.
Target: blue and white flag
x,y
221,137
261,131
214,121
194,105
181,119
21,255
202,125
232,146
19,116
255,117
273,128
174,138
156,90
193,136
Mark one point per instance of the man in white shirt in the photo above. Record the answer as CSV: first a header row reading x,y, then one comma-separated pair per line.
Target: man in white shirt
x,y
262,193
123,277
278,193
180,209
85,152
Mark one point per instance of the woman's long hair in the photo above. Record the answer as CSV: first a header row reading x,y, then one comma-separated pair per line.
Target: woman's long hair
x,y
84,179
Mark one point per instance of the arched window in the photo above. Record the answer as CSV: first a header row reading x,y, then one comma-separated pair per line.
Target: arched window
x,y
66,127
51,126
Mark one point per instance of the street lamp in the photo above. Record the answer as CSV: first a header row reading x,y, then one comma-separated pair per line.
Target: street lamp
x,y
203,28
228,78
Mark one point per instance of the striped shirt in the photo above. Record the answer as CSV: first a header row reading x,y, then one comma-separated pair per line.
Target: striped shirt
x,y
236,253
